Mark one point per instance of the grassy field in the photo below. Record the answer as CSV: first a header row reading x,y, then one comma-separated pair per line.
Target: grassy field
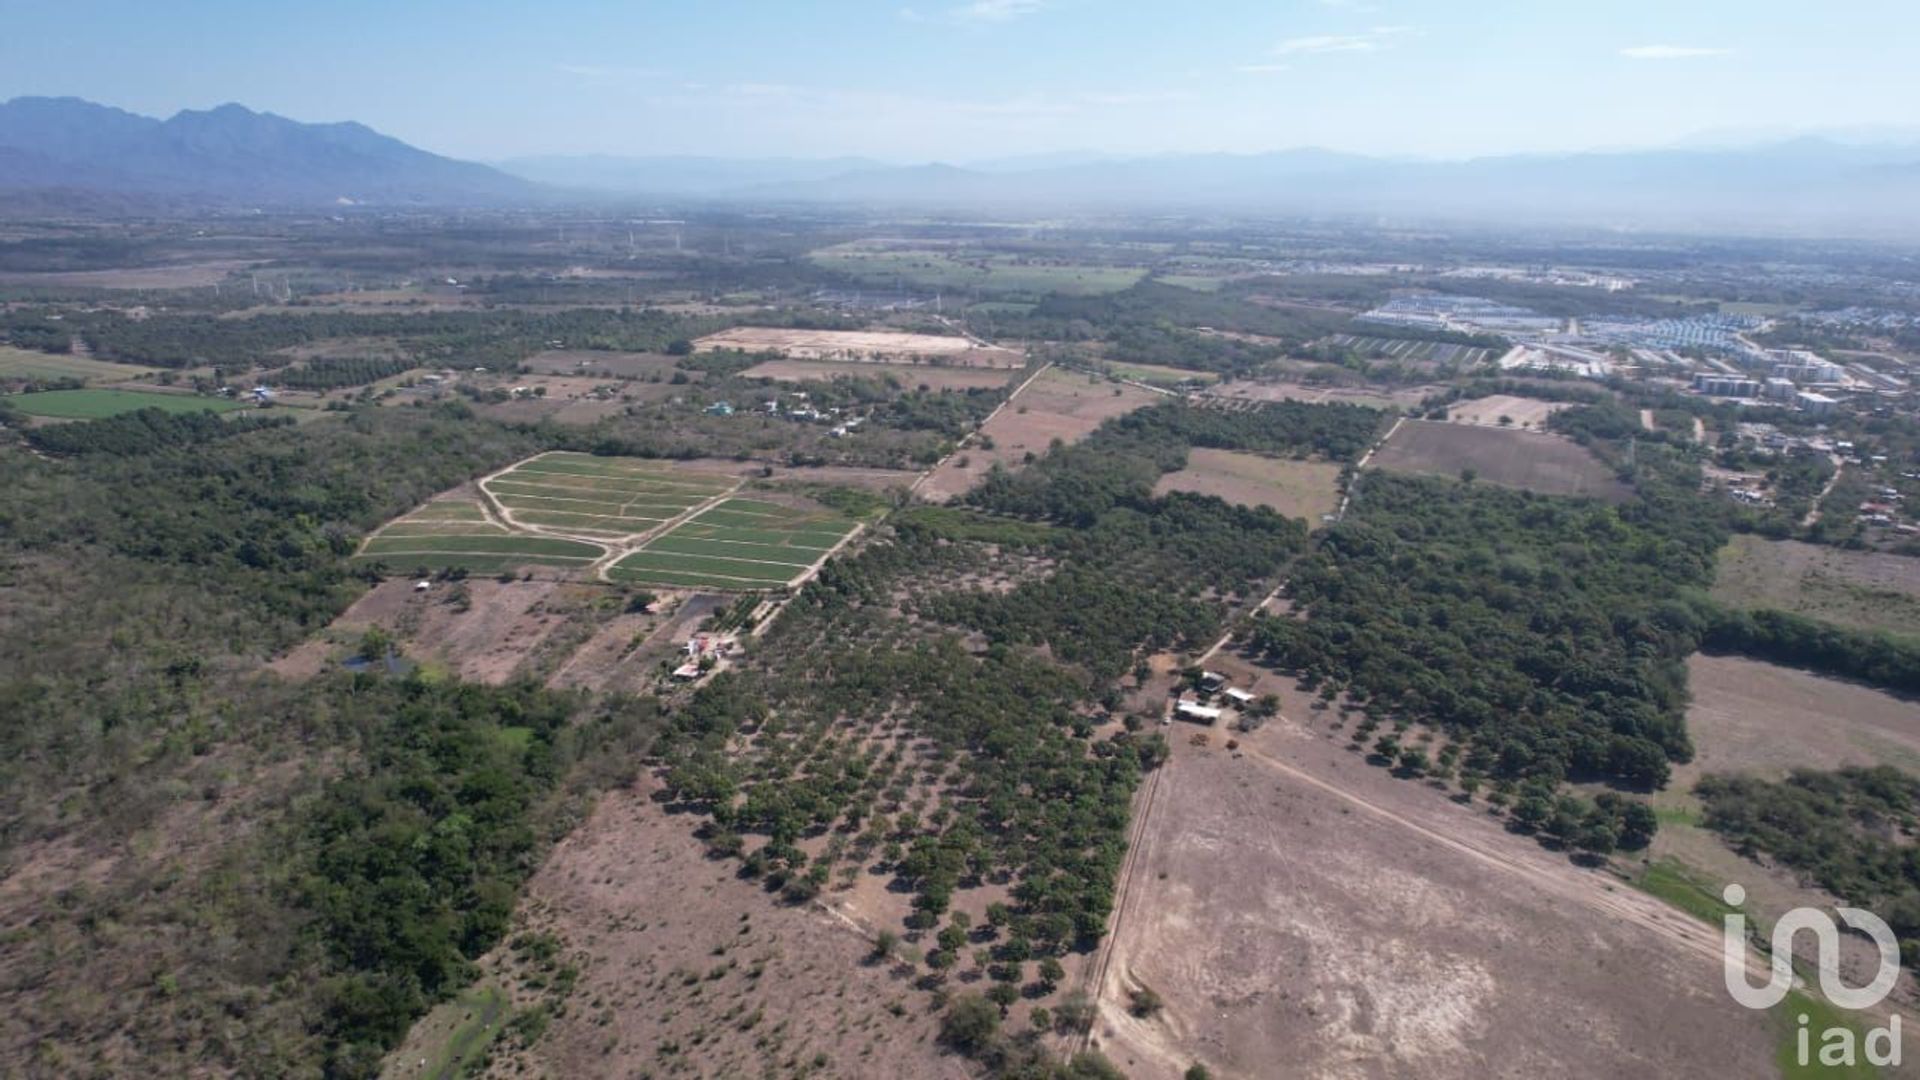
x,y
988,273
737,544
95,404
1860,589
28,364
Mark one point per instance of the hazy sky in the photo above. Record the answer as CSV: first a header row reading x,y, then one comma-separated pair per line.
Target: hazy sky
x,y
955,80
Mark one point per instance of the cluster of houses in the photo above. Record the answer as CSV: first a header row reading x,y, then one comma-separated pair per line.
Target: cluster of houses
x,y
704,653
797,406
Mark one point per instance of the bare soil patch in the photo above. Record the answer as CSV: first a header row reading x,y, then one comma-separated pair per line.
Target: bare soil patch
x,y
937,377
1526,413
1548,464
1751,716
1056,404
1294,904
1302,489
862,346
1863,589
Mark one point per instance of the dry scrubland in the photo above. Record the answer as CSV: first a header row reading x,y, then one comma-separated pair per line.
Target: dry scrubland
x,y
1548,464
862,346
1302,489
1867,590
1055,404
1404,397
687,970
1303,913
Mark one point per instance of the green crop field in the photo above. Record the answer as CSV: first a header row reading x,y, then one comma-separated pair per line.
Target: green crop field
x,y
531,547
600,496
96,404
28,364
737,544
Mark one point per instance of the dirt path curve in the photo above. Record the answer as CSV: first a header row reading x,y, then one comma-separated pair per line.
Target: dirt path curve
x,y
1587,888
1813,513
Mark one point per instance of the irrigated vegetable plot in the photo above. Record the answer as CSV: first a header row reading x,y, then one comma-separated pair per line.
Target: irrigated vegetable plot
x,y
457,532
598,496
737,544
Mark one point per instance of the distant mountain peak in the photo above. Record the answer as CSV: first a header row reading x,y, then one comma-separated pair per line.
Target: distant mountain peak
x,y
230,154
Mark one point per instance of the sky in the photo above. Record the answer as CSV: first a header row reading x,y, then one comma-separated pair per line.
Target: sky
x,y
966,80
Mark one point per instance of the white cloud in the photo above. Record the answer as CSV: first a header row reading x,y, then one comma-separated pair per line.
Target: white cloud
x,y
601,73
991,11
1372,40
1671,52
1263,69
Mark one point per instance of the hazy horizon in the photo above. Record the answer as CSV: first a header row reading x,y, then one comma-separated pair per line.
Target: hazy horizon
x,y
979,80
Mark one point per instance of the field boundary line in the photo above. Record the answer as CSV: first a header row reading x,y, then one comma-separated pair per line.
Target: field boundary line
x,y
1124,896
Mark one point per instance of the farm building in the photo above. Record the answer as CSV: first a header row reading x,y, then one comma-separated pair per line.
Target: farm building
x,y
1239,697
1198,713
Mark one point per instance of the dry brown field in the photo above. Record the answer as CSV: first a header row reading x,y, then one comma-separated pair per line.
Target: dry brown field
x,y
861,346
1302,489
1523,412
934,377
1862,589
1303,913
611,365
1055,404
1548,464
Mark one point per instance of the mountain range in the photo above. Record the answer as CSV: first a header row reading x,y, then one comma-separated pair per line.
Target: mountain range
x,y
1851,184
228,155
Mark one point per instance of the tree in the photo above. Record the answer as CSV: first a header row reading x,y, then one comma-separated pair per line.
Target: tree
x,y
970,1024
884,944
1144,1002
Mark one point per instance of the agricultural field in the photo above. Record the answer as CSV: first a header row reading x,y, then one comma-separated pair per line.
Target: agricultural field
x,y
93,404
1288,902
1529,413
980,271
1864,590
1302,489
1055,404
862,346
25,364
737,544
597,497
1547,464
936,377
1435,352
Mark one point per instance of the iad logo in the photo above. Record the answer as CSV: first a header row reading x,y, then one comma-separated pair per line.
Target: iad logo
x,y
1837,1043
